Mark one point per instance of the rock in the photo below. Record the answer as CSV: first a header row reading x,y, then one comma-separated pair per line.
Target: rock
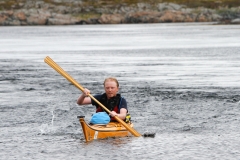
x,y
45,13
235,21
173,16
59,19
144,7
15,22
56,21
216,17
8,13
36,19
162,7
62,12
187,10
173,6
188,19
3,18
169,6
32,11
111,19
143,17
126,9
201,18
20,16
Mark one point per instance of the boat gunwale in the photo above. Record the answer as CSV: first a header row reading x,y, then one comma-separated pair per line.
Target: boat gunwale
x,y
81,118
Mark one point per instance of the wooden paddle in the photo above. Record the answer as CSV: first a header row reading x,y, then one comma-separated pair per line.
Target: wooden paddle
x,y
56,67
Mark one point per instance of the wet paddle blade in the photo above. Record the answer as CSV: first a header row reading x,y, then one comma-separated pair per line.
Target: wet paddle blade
x,y
149,134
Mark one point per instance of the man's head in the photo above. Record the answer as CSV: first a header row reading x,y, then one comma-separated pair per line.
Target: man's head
x,y
111,86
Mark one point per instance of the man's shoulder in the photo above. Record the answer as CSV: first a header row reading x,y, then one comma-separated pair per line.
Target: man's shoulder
x,y
122,99
97,96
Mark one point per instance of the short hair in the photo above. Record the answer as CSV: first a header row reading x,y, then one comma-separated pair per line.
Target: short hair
x,y
111,79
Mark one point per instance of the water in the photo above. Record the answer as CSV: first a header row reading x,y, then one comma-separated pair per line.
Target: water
x,y
181,81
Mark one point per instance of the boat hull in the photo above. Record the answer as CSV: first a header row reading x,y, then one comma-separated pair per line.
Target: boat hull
x,y
113,129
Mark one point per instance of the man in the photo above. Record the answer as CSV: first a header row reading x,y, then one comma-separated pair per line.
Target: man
x,y
110,99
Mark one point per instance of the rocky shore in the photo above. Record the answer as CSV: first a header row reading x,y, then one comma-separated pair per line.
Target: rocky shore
x,y
72,12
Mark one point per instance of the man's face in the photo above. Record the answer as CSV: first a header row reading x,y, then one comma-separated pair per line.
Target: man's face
x,y
111,88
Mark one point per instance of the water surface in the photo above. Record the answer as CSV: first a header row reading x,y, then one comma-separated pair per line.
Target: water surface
x,y
181,81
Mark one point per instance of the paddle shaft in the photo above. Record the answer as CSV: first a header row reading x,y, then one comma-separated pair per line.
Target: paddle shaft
x,y
56,67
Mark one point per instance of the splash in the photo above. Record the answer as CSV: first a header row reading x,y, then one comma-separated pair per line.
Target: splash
x,y
52,118
46,129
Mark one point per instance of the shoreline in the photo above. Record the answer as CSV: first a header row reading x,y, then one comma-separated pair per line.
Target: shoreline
x,y
42,13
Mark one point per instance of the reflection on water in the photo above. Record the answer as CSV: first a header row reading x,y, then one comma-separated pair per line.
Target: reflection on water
x,y
181,81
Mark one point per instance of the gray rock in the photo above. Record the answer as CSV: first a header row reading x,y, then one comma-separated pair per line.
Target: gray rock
x,y
186,10
40,12
169,6
235,21
15,22
162,7
216,17
175,7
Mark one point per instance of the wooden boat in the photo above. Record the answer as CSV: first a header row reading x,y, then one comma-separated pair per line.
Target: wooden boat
x,y
112,129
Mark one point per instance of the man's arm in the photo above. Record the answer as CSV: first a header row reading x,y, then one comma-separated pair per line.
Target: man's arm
x,y
84,99
122,115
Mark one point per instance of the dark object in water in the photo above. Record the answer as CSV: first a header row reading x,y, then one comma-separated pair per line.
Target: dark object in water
x,y
149,134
